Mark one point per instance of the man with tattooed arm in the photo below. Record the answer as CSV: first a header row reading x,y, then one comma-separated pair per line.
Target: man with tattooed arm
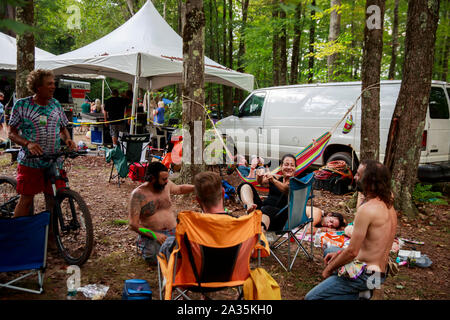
x,y
150,210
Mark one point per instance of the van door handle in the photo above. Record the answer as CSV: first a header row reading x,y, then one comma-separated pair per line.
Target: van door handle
x,y
259,130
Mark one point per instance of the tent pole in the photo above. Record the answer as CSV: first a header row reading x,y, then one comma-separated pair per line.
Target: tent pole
x,y
149,99
103,91
135,94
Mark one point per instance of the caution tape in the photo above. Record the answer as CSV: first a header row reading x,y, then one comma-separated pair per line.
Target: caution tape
x,y
100,122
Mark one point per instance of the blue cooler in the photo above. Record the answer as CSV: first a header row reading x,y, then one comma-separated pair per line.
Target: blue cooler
x,y
136,289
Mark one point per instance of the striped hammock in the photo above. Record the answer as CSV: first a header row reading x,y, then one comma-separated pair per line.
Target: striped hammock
x,y
303,159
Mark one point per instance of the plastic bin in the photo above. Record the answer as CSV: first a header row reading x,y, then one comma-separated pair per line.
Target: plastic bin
x,y
96,135
136,289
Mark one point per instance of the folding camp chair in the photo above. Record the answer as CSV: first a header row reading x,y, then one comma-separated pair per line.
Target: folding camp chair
x,y
23,247
212,252
300,191
132,146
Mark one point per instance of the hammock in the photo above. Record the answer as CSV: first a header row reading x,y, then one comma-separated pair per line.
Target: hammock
x,y
303,160
305,157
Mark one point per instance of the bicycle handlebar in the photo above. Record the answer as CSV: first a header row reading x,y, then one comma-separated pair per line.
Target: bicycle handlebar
x,y
54,156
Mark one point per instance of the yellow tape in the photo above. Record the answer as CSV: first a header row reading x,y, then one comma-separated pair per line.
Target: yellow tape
x,y
102,122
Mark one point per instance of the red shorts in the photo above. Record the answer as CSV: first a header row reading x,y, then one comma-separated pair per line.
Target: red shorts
x,y
31,181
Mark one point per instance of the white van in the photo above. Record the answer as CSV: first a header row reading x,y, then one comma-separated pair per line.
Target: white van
x,y
301,113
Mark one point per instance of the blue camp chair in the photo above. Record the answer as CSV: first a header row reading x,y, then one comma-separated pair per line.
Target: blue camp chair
x,y
23,247
300,191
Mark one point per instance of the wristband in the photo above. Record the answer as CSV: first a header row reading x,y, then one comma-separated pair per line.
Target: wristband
x,y
145,230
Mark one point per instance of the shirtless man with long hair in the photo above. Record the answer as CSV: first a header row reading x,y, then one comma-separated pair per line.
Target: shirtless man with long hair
x,y
362,265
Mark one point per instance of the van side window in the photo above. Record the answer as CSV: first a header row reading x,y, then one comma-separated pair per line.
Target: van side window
x,y
253,106
438,104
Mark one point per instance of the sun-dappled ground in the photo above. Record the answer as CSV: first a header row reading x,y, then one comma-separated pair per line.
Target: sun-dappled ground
x,y
114,257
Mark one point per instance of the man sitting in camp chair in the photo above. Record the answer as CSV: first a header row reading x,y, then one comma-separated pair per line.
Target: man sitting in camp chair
x,y
363,264
150,210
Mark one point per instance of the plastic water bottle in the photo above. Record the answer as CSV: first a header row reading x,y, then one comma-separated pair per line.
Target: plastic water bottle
x,y
71,294
317,240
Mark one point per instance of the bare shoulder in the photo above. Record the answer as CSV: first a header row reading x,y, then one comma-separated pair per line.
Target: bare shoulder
x,y
138,193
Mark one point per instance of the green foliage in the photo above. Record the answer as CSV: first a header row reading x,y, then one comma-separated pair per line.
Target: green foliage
x,y
423,193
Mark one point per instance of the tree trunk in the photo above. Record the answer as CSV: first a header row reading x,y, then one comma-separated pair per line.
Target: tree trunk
x,y
391,75
8,11
181,20
296,44
312,30
239,94
193,89
405,132
335,27
275,47
353,43
370,76
282,45
227,96
25,49
446,47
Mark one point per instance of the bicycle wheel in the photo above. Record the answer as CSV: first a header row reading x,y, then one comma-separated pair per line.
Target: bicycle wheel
x,y
72,226
8,196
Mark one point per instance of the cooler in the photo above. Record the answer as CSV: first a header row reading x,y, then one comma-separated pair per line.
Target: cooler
x,y
97,134
136,289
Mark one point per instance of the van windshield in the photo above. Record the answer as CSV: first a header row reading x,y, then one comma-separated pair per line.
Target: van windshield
x,y
253,106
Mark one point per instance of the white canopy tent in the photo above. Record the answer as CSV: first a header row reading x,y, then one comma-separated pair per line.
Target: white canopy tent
x,y
8,56
144,51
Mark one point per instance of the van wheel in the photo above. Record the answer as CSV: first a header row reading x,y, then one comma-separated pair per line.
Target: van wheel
x,y
345,156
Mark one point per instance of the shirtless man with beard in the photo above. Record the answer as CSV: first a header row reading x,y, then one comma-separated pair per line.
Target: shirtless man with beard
x,y
150,210
363,264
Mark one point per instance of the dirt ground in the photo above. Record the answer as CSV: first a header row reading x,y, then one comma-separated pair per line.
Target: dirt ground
x,y
114,257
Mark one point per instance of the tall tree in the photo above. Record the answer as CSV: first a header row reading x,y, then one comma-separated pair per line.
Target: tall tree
x,y
241,52
296,43
370,76
394,42
193,88
282,47
312,30
408,120
275,45
335,27
25,49
227,92
444,73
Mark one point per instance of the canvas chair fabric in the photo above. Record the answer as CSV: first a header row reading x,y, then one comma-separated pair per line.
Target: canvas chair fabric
x,y
221,246
300,192
23,246
129,152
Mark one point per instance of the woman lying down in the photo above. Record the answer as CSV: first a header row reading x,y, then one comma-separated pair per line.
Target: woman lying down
x,y
325,222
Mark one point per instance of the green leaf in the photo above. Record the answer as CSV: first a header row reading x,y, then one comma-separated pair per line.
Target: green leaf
x,y
17,27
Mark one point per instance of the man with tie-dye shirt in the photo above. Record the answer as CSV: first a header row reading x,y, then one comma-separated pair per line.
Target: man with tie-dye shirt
x,y
37,124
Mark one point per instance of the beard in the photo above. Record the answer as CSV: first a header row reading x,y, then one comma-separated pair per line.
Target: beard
x,y
158,186
359,186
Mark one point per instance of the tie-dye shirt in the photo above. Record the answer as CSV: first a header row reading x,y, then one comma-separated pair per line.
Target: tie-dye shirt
x,y
29,119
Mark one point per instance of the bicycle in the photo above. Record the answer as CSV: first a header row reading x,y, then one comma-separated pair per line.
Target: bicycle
x,y
71,219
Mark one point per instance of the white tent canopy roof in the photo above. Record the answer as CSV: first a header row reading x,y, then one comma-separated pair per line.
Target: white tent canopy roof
x,y
148,36
8,53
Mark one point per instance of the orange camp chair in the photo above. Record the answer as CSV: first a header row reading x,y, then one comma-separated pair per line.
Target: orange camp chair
x,y
212,252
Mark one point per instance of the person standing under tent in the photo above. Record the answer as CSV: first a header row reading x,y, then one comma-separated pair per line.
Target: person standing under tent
x,y
158,114
114,110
